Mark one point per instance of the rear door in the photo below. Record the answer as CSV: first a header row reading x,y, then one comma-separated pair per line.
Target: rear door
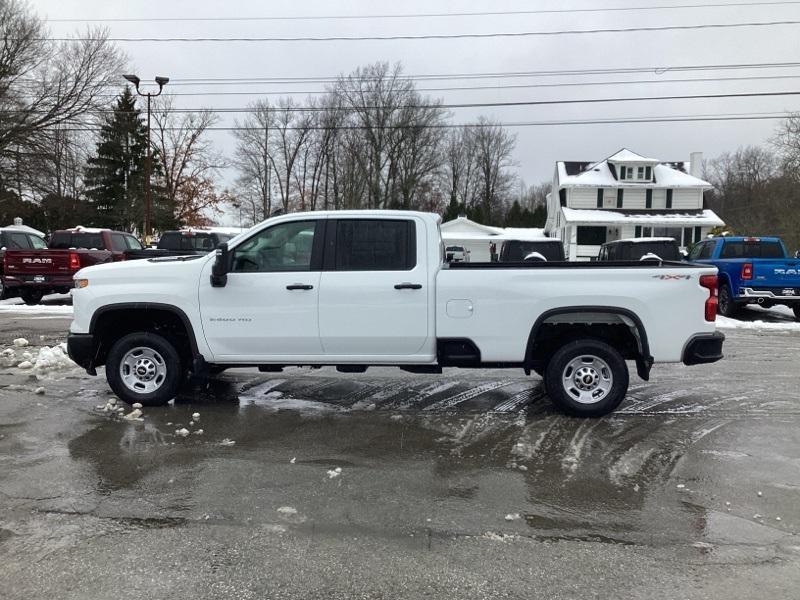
x,y
374,289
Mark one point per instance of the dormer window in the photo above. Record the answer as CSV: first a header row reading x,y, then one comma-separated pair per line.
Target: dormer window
x,y
635,173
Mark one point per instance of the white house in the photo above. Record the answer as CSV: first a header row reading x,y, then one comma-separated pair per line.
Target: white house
x,y
477,238
627,196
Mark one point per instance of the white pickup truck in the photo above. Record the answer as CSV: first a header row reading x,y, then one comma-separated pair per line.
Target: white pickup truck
x,y
353,289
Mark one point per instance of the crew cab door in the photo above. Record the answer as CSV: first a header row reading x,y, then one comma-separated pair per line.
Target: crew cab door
x,y
374,288
268,309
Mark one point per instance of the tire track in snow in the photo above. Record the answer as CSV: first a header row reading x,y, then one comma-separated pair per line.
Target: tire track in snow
x,y
468,394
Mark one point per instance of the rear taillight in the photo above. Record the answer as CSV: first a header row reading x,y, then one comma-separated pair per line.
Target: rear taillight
x,y
710,283
747,271
74,261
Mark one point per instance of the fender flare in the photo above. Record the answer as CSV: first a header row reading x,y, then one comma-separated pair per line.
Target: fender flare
x,y
644,361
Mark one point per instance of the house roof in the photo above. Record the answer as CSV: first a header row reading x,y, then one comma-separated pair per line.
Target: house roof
x,y
465,225
675,218
604,173
626,155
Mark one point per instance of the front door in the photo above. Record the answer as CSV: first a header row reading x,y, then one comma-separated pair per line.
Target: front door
x,y
268,309
374,290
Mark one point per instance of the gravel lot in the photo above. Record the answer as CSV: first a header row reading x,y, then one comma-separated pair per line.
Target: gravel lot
x,y
465,485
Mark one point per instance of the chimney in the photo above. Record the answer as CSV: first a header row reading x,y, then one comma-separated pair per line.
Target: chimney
x,y
696,164
17,221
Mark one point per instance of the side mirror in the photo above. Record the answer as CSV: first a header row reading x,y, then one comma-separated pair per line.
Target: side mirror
x,y
221,266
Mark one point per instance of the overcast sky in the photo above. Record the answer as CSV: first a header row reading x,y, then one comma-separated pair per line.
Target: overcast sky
x,y
538,147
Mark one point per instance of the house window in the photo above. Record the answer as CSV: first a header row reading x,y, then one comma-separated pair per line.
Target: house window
x,y
648,202
562,196
591,236
648,173
622,172
697,234
647,232
687,236
673,232
599,197
640,173
619,197
637,231
669,198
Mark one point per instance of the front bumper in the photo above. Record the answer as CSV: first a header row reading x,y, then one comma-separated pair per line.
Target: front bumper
x,y
703,348
82,349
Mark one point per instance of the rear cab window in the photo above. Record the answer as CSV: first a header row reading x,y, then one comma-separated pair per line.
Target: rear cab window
x,y
374,245
64,240
752,249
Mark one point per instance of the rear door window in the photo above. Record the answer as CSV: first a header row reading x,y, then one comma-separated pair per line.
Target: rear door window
x,y
36,242
118,242
375,245
132,243
18,241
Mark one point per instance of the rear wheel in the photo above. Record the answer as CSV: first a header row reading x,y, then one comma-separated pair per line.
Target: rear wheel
x,y
587,378
725,304
32,297
145,368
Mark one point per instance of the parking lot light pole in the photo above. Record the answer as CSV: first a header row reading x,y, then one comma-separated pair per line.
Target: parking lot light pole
x,y
148,197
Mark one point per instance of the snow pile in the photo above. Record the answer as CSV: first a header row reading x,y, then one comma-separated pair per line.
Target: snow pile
x,y
227,442
334,473
52,359
20,342
726,323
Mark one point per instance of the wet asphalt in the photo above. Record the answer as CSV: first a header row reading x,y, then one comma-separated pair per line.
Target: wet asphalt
x,y
463,485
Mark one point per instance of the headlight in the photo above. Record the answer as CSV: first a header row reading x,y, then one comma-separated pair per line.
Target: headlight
x,y
81,283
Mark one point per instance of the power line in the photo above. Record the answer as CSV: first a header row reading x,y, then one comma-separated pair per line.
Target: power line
x,y
610,121
657,69
458,105
435,36
423,15
486,104
499,87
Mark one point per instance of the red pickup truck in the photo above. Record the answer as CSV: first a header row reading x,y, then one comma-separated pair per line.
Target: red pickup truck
x,y
34,273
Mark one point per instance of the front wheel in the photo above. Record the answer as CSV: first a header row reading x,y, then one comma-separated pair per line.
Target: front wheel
x,y
587,378
145,368
32,297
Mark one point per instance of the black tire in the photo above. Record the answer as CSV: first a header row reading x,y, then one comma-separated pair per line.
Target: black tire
x,y
725,304
610,370
32,297
796,309
174,371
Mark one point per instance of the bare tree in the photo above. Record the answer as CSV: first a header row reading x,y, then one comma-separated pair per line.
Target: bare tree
x,y
188,158
252,160
44,84
493,147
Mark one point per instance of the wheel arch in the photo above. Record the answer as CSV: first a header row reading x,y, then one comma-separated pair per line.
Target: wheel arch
x,y
130,317
644,361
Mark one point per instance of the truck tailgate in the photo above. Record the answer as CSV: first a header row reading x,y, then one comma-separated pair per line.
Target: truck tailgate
x,y
29,263
777,274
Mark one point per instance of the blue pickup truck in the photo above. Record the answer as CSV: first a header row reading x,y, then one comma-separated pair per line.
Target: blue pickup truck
x,y
752,270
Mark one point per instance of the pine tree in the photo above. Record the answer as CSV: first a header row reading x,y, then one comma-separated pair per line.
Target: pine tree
x,y
115,175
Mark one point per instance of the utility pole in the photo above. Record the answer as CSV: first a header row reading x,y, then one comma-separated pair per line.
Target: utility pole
x,y
148,195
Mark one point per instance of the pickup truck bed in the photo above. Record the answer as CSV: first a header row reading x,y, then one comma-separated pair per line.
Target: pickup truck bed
x,y
358,288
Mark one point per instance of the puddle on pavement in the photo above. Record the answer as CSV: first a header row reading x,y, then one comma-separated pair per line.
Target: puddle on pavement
x,y
610,478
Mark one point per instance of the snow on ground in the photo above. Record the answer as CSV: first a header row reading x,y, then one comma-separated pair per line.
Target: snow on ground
x,y
726,323
16,305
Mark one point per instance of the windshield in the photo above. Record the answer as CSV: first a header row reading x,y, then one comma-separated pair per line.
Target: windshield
x,y
752,249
